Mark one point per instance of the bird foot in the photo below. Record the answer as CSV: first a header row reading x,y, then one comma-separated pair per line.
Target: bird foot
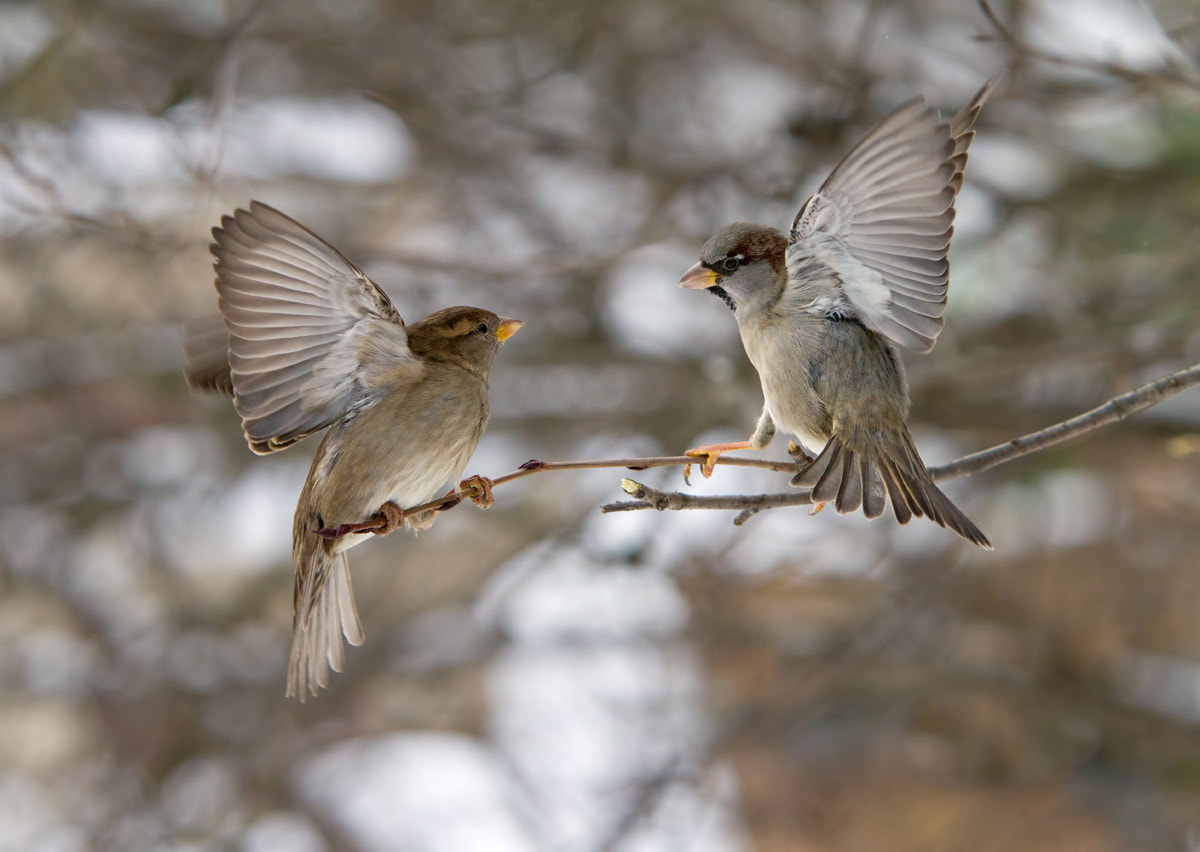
x,y
483,490
816,509
392,519
798,453
710,453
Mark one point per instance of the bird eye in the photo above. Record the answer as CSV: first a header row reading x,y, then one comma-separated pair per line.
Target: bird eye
x,y
730,264
482,328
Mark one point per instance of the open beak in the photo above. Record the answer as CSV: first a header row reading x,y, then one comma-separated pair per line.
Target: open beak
x,y
699,277
507,328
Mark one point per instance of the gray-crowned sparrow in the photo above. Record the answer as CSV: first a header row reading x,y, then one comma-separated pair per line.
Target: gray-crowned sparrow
x,y
822,309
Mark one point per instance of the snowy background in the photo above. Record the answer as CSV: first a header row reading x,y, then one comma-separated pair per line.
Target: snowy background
x,y
541,676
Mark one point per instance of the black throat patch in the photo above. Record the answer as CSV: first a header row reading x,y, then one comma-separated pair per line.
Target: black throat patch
x,y
720,293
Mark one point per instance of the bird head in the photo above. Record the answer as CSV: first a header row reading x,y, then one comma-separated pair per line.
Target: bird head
x,y
468,336
742,264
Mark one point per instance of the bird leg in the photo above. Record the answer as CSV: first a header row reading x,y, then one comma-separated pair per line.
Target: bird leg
x,y
482,496
483,490
392,520
798,453
710,453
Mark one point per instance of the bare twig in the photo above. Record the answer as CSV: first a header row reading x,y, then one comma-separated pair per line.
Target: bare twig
x,y
649,498
452,499
1115,409
1111,411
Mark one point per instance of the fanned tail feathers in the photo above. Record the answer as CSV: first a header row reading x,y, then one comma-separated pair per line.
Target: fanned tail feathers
x,y
859,478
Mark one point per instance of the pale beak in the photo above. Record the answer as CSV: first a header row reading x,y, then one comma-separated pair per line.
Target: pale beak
x,y
507,328
699,277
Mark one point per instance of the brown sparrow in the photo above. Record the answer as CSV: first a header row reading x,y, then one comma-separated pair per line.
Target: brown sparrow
x,y
821,311
312,343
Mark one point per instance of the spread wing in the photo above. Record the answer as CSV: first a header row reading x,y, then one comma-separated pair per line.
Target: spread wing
x,y
877,231
206,355
311,338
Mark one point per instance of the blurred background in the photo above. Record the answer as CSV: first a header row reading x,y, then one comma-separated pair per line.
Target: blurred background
x,y
540,676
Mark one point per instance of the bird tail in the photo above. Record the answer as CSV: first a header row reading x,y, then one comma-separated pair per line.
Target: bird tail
x,y
324,612
858,473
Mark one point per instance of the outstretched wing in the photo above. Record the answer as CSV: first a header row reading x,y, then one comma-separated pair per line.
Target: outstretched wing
x,y
880,226
311,338
206,355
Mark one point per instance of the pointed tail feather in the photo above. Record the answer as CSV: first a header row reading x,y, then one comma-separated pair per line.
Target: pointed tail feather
x,y
853,479
874,500
900,497
905,465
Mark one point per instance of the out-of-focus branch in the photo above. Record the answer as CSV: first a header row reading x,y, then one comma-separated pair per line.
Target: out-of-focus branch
x,y
1166,74
649,498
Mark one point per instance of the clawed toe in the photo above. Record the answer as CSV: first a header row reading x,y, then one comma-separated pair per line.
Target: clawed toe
x,y
393,518
389,518
710,453
482,487
707,466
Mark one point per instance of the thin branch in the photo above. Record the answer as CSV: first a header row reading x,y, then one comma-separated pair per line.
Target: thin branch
x,y
646,497
649,498
1110,412
1115,409
452,499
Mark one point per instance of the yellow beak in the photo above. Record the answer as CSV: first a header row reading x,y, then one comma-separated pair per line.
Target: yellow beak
x,y
699,277
507,328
